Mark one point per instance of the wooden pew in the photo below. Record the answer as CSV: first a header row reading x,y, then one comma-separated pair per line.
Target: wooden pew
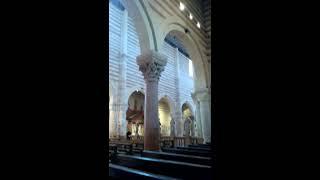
x,y
128,148
166,167
121,172
199,146
178,157
195,149
187,152
137,148
123,147
112,151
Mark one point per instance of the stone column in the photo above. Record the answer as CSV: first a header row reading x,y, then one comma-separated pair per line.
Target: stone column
x,y
151,64
204,99
198,120
178,110
122,122
192,129
112,122
121,102
197,116
172,127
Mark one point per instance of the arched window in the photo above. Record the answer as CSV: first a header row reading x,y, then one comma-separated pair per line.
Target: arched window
x,y
190,68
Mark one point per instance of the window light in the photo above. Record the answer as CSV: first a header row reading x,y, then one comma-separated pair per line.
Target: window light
x,y
190,68
181,7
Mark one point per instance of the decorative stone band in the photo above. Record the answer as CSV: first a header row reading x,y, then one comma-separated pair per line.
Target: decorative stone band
x,y
118,107
151,64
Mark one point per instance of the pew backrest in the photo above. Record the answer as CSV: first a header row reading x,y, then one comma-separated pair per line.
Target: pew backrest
x,y
125,172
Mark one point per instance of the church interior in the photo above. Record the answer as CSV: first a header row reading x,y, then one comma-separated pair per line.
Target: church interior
x,y
160,89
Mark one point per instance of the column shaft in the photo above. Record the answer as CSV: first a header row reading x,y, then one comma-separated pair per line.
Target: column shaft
x,y
178,110
151,125
205,120
113,121
198,121
121,102
151,64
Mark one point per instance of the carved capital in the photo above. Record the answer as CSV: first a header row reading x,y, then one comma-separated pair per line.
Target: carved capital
x,y
151,64
201,95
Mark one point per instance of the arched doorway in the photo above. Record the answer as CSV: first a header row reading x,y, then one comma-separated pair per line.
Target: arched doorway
x,y
165,114
135,115
189,125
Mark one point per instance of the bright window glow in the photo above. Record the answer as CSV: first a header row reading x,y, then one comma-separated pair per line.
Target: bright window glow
x,y
198,25
181,7
190,16
190,68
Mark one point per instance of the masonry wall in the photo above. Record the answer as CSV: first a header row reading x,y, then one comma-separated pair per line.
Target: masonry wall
x,y
114,41
134,76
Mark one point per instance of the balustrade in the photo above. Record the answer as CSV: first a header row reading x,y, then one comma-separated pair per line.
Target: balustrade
x,y
178,141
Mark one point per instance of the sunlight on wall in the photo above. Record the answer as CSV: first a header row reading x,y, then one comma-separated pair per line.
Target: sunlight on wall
x,y
164,115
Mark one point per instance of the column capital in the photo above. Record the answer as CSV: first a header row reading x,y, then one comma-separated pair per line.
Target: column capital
x,y
201,95
151,64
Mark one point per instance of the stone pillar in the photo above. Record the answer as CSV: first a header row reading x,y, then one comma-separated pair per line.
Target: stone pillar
x,y
112,122
172,127
121,102
116,126
151,64
192,129
122,122
198,120
178,109
204,99
198,117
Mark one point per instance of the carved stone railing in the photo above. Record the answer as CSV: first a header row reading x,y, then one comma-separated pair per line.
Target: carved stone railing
x,y
167,140
196,140
180,142
183,141
139,139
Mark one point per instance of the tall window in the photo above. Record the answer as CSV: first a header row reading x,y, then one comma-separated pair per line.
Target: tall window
x,y
190,68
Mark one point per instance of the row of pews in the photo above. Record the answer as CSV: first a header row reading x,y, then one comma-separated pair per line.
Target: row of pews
x,y
131,161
